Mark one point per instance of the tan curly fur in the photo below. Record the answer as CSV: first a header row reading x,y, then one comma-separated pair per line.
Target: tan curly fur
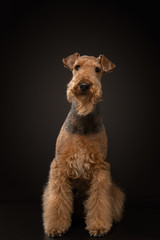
x,y
81,151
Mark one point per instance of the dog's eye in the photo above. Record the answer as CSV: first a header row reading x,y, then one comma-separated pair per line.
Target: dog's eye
x,y
77,67
97,69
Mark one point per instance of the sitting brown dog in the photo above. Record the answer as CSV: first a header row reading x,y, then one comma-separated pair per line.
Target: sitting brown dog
x,y
81,151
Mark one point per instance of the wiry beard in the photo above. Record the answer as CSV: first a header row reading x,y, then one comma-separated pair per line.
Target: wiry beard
x,y
84,102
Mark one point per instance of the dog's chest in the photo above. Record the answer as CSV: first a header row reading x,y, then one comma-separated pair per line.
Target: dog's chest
x,y
80,164
80,187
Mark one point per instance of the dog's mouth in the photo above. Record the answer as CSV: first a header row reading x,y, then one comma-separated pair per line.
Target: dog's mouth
x,y
83,88
85,95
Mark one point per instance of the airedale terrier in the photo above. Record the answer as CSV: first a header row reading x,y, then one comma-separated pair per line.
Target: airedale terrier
x,y
80,159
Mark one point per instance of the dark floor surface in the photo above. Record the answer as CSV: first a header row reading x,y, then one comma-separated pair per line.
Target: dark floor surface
x,y
22,221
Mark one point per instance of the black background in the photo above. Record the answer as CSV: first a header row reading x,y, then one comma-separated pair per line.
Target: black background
x,y
35,38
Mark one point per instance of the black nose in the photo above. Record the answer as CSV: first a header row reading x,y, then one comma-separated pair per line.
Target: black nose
x,y
84,87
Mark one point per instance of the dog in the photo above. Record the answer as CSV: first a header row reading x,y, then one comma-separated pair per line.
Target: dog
x,y
80,159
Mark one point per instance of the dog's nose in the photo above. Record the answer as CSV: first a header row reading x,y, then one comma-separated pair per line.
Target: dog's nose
x,y
84,87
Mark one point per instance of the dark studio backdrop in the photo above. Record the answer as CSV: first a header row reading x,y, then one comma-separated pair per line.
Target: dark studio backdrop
x,y
35,37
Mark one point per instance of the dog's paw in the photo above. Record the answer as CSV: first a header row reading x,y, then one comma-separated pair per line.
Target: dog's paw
x,y
58,232
55,235
99,231
56,228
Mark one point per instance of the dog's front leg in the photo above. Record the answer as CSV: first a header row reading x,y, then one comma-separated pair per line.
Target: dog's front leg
x,y
57,201
98,206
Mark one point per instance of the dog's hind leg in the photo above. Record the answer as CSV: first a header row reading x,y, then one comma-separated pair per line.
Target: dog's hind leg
x,y
117,201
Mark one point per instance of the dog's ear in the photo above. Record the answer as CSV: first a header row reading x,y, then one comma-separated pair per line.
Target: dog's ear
x,y
69,61
106,64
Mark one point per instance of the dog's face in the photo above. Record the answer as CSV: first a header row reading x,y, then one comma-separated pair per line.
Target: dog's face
x,y
85,87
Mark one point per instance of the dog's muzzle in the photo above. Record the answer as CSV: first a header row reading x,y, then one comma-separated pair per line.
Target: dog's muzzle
x,y
84,87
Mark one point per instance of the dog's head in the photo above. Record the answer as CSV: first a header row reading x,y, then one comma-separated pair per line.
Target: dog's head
x,y
85,87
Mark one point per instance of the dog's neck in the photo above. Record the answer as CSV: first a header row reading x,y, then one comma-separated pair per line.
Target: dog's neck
x,y
80,124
